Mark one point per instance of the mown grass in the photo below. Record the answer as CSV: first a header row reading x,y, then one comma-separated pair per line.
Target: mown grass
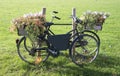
x,y
107,62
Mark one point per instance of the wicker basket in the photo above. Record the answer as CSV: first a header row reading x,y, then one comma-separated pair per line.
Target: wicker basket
x,y
21,32
97,26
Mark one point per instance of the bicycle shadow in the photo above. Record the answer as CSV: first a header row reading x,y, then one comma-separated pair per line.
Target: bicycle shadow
x,y
62,69
104,62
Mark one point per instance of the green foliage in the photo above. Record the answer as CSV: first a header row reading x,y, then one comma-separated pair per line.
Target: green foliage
x,y
107,62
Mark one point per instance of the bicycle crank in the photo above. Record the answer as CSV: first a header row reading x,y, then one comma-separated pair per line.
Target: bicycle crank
x,y
54,53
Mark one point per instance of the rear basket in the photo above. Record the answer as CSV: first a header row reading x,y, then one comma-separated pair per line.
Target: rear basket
x,y
60,42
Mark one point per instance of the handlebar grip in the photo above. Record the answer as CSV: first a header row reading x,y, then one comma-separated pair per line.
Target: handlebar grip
x,y
79,21
55,12
57,18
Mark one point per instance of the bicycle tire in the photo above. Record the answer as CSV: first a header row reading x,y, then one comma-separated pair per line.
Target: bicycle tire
x,y
79,52
91,33
24,52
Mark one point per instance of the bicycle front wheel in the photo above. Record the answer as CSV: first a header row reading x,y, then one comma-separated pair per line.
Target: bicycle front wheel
x,y
84,49
92,34
24,48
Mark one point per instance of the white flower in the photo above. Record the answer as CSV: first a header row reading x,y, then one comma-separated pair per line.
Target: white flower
x,y
35,15
25,15
13,20
40,13
30,15
101,13
88,12
95,13
16,23
104,17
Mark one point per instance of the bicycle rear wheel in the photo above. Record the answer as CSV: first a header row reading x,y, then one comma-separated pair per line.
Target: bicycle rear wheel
x,y
84,49
24,48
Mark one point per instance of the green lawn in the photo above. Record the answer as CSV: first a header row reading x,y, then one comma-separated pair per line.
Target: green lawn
x,y
107,62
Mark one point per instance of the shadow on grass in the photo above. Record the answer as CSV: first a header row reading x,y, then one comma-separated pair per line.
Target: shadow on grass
x,y
107,61
70,69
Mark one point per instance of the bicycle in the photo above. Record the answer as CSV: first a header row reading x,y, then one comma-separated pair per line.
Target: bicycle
x,y
83,48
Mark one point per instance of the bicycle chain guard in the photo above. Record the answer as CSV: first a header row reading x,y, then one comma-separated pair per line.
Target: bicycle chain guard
x,y
59,42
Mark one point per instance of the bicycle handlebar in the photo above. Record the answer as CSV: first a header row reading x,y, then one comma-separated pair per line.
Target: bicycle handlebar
x,y
57,17
75,19
55,12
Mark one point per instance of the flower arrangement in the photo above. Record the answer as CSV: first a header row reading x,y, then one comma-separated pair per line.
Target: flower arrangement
x,y
93,20
30,25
